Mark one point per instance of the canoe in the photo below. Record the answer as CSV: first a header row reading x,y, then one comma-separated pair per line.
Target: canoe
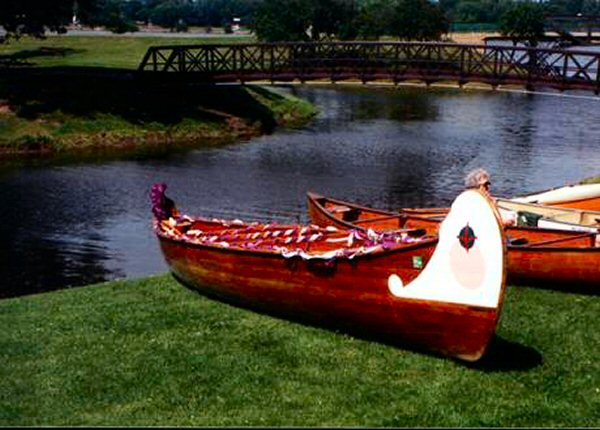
x,y
537,256
440,294
530,214
566,218
580,196
584,197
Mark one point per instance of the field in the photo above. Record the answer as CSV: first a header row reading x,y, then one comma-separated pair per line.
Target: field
x,y
150,352
121,52
470,37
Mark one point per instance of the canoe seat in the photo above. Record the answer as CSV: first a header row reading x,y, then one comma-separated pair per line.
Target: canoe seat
x,y
351,215
416,232
348,214
339,208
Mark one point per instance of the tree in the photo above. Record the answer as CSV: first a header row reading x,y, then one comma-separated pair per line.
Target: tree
x,y
564,7
34,17
278,20
418,20
332,18
591,7
108,13
524,21
172,14
283,20
448,7
374,18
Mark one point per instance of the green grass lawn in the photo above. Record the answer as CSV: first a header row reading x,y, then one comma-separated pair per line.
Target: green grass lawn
x,y
151,352
96,51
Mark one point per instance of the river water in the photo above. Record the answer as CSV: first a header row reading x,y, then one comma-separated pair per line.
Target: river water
x,y
71,225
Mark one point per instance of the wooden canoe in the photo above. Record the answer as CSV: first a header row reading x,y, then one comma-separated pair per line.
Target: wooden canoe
x,y
536,256
572,219
439,294
580,196
553,217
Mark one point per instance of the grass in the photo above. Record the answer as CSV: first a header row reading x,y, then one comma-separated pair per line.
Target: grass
x,y
121,52
49,106
63,113
591,180
151,352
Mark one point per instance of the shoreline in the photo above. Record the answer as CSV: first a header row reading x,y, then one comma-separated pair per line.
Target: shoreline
x,y
48,113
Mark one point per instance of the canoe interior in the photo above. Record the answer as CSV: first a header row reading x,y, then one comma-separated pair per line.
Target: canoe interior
x,y
562,214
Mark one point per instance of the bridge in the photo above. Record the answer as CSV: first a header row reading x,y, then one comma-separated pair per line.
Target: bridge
x,y
426,62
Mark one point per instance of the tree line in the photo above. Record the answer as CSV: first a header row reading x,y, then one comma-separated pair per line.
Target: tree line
x,y
278,20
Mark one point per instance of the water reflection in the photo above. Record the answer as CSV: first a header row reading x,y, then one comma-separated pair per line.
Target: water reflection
x,y
82,223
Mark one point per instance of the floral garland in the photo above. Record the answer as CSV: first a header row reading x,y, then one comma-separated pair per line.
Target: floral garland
x,y
289,241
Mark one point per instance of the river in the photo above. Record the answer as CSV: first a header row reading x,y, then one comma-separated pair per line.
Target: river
x,y
71,225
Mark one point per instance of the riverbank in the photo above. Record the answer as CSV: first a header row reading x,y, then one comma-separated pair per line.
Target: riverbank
x,y
150,352
76,95
57,111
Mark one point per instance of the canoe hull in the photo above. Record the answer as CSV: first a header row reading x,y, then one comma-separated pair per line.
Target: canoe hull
x,y
576,268
351,295
592,204
562,258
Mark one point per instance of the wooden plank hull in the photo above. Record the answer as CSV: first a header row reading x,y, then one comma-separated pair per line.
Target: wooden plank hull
x,y
352,296
546,257
577,269
592,204
356,294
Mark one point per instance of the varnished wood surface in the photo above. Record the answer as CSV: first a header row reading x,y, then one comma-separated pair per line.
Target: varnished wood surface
x,y
566,259
347,294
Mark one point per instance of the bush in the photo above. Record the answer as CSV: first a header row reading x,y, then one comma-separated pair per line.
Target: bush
x,y
523,21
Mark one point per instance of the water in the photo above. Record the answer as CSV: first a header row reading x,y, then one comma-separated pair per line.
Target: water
x,y
77,224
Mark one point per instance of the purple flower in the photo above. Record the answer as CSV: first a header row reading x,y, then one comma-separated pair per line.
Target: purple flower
x,y
162,206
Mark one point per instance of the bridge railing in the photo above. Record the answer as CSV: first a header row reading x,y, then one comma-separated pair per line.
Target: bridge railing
x,y
367,61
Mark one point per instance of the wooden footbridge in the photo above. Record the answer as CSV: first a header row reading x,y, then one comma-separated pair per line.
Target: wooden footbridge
x,y
532,68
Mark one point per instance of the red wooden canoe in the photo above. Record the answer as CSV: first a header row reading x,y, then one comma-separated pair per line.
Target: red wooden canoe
x,y
441,295
536,256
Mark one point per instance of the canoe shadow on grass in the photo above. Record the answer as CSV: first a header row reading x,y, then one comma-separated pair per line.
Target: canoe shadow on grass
x,y
503,355
500,356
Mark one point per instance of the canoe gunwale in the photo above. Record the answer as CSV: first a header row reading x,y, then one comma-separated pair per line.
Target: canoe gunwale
x,y
402,247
